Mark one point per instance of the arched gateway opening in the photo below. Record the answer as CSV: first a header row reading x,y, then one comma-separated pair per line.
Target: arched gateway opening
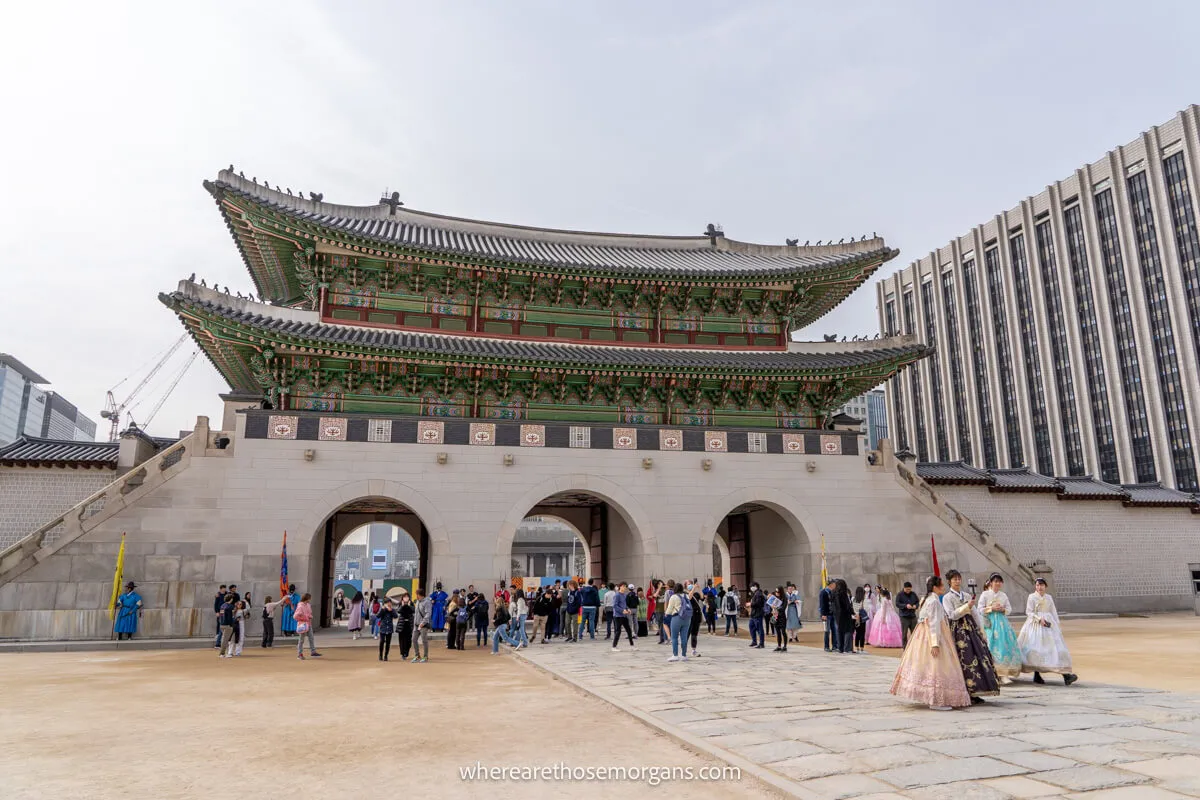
x,y
372,539
762,542
612,545
551,548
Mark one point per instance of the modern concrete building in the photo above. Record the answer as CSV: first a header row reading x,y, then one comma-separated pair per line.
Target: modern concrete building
x,y
27,409
1067,328
871,408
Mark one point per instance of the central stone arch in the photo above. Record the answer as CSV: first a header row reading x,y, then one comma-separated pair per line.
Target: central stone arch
x,y
773,533
634,548
321,514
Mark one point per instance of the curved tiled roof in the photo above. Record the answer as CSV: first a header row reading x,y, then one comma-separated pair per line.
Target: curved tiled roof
x,y
33,452
1021,479
1155,494
953,472
1088,488
665,256
305,325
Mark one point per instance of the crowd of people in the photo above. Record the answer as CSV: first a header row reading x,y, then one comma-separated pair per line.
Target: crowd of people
x,y
958,647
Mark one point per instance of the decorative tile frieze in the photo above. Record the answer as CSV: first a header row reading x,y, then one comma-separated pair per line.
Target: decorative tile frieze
x,y
483,433
533,436
332,429
282,427
670,440
580,437
756,442
430,432
793,443
624,438
716,441
379,430
831,445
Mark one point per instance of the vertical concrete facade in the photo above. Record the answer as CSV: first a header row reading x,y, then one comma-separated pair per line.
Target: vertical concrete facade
x,y
1096,294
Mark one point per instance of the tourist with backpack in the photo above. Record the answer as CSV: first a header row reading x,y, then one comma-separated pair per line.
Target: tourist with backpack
x,y
710,609
375,608
480,610
462,617
729,608
679,612
573,606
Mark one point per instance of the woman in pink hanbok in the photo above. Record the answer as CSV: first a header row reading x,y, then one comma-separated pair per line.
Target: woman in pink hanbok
x,y
929,671
885,630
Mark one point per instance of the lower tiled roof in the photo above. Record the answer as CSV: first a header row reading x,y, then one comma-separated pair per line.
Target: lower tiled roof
x,y
1021,479
1155,494
953,472
1088,488
32,452
259,316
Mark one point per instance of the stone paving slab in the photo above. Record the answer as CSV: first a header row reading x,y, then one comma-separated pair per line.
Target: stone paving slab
x,y
822,725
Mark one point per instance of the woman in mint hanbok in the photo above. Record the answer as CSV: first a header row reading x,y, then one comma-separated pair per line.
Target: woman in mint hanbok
x,y
994,607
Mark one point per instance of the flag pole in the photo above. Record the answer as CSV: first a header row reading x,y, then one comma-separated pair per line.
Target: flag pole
x,y
118,574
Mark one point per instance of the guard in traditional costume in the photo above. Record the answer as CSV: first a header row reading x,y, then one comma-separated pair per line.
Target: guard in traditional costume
x,y
439,607
129,610
929,671
993,605
979,672
287,625
1042,646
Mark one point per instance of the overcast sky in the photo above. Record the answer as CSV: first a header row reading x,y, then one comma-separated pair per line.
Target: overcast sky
x,y
776,119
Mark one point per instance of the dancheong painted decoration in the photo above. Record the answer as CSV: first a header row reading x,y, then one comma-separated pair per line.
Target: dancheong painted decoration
x,y
384,310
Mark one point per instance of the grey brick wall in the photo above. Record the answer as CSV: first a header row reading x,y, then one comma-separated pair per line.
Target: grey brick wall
x,y
30,496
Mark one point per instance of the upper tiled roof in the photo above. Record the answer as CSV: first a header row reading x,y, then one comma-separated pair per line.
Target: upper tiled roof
x,y
955,472
306,325
1088,488
31,452
665,256
1155,494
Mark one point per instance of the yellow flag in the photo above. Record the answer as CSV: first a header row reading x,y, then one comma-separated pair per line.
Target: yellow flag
x,y
824,568
116,590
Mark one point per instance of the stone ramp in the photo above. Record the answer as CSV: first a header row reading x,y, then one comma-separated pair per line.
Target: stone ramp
x,y
823,725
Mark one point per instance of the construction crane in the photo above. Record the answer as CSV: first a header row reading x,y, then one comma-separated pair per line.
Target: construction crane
x,y
114,410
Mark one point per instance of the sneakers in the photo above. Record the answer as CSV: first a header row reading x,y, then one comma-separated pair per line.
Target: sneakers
x,y
423,660
673,658
1037,678
300,656
695,654
315,655
519,645
1070,678
413,660
683,658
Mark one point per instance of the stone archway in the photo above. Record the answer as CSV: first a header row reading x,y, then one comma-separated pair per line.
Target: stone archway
x,y
769,537
392,501
617,528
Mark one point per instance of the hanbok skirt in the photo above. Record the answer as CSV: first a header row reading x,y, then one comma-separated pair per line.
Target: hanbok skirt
x,y
1002,641
793,618
1042,648
885,630
354,623
931,681
978,669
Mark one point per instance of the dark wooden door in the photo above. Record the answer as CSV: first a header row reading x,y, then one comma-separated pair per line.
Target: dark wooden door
x,y
739,550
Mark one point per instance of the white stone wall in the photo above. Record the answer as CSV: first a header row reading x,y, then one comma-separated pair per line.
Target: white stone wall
x,y
1105,557
31,496
222,518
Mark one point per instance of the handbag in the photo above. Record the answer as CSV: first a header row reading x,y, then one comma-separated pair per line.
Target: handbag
x,y
301,627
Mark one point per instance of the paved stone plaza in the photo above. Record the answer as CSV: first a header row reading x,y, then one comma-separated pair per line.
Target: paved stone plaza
x,y
821,725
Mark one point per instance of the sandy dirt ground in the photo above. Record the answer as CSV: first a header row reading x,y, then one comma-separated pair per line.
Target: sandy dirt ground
x,y
1161,651
186,724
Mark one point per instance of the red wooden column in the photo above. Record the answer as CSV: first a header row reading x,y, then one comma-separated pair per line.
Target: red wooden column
x,y
598,542
739,550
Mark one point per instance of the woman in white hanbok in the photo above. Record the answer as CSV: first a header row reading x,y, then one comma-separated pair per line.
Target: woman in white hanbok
x,y
1042,646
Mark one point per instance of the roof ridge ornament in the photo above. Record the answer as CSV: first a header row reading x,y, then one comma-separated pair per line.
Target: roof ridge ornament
x,y
392,202
714,232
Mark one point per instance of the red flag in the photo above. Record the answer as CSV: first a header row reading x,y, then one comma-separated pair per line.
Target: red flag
x,y
936,569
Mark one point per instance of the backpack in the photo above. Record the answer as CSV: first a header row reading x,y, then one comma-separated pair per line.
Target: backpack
x,y
462,614
731,603
685,608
